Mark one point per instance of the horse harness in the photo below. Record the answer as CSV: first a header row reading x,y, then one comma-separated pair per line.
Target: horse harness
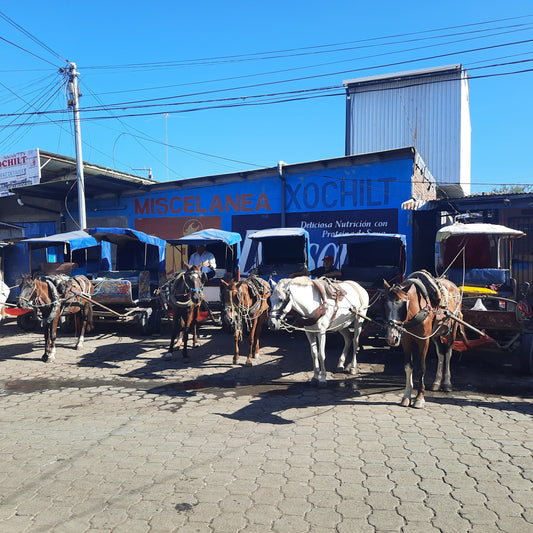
x,y
431,290
183,303
327,288
260,291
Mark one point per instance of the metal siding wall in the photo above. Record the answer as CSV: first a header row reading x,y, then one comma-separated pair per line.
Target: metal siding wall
x,y
431,117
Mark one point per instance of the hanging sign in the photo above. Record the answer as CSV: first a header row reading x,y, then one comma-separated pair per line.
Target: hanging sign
x,y
17,170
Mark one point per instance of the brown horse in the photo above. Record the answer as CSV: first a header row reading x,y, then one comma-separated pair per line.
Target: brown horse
x,y
246,308
53,296
418,310
185,297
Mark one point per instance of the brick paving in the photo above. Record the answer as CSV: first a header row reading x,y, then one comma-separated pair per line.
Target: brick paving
x,y
116,438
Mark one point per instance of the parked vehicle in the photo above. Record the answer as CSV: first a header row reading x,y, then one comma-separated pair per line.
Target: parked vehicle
x,y
477,258
69,253
278,252
127,291
226,247
369,259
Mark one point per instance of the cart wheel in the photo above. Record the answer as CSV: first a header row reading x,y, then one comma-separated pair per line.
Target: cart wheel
x,y
27,321
144,322
526,353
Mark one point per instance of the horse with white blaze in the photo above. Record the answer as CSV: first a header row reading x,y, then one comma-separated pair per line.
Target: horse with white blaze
x,y
322,305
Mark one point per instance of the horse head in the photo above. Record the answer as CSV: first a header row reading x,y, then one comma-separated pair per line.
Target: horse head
x,y
194,284
397,310
28,292
280,303
230,297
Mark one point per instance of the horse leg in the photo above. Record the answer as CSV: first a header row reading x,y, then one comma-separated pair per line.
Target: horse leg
x,y
52,339
322,358
236,339
422,352
408,368
357,327
45,356
253,340
444,355
347,336
313,343
175,328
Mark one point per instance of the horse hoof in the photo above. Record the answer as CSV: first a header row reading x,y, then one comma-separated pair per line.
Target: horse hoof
x,y
353,371
314,382
447,387
419,404
322,384
405,402
435,386
339,370
248,363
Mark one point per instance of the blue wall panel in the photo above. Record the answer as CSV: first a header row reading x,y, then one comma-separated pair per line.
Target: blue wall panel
x,y
326,198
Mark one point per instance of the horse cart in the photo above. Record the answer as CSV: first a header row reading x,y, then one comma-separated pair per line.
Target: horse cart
x,y
369,259
477,258
70,254
226,247
127,291
279,252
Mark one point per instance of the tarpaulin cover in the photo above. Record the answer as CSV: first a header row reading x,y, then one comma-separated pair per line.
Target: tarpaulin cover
x,y
130,258
76,240
460,229
346,238
206,235
279,232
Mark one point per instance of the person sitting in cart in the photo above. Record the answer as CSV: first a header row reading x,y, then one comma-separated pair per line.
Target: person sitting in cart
x,y
206,259
328,270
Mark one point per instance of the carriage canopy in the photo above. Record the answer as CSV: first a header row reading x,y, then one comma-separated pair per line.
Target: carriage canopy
x,y
279,252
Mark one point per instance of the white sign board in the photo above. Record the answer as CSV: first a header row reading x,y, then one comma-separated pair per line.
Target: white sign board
x,y
19,169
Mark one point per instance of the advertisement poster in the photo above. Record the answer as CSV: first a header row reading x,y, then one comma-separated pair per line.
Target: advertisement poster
x,y
17,170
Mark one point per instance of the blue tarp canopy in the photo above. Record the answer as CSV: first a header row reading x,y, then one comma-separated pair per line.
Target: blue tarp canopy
x,y
279,232
128,240
118,235
76,240
206,236
347,238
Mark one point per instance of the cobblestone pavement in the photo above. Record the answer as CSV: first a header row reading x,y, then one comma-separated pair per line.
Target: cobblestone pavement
x,y
115,438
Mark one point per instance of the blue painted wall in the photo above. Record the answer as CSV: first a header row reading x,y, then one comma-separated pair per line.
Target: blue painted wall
x,y
326,198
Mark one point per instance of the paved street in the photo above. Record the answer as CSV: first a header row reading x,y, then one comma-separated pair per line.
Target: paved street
x,y
116,438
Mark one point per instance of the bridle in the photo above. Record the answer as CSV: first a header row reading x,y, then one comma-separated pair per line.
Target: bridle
x,y
189,290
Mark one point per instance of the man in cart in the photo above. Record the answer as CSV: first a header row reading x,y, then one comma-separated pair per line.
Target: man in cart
x,y
328,270
206,259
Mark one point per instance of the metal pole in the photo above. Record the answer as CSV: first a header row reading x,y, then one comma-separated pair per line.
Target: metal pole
x,y
73,102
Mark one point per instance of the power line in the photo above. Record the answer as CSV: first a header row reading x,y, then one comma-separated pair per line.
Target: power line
x,y
32,37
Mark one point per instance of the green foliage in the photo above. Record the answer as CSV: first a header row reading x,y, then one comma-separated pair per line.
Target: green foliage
x,y
512,189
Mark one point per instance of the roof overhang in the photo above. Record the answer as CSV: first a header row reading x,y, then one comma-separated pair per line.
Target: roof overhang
x,y
59,179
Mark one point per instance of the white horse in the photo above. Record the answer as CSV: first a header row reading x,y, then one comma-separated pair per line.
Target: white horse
x,y
322,306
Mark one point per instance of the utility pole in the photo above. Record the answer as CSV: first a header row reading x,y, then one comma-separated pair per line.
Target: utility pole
x,y
74,94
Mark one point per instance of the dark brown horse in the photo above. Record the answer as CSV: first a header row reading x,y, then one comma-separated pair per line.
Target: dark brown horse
x,y
246,308
418,310
53,296
184,299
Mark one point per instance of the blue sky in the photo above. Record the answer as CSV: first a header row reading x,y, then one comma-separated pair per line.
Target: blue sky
x,y
186,88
